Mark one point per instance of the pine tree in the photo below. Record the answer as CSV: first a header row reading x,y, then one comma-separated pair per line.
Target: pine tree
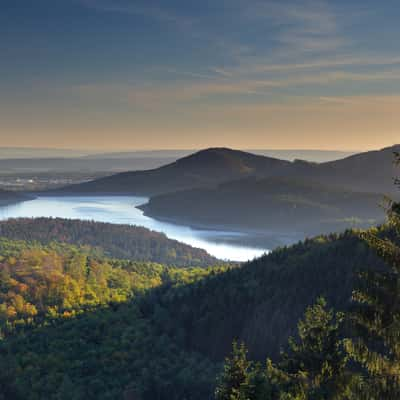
x,y
315,366
258,386
234,379
376,316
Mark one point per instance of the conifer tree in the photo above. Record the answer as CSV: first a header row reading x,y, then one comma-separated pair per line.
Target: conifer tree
x,y
376,317
235,376
315,366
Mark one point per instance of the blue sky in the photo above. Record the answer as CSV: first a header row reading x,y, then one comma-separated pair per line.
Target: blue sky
x,y
187,74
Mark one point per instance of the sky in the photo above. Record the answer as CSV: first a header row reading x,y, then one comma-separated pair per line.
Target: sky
x,y
158,74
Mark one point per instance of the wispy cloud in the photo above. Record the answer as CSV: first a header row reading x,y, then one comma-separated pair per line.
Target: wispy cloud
x,y
135,8
322,63
222,72
183,73
362,101
181,93
308,26
185,24
310,49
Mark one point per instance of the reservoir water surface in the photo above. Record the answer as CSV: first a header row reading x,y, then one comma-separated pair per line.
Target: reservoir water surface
x,y
122,210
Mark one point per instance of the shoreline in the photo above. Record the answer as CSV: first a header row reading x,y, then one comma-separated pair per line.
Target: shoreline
x,y
230,235
250,236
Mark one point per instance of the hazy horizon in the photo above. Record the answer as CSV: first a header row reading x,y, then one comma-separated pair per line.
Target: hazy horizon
x,y
49,152
138,149
99,150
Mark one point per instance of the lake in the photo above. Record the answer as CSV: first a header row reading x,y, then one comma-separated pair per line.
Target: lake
x,y
225,245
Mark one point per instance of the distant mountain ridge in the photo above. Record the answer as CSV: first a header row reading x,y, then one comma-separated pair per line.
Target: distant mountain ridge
x,y
371,171
42,153
225,188
201,169
364,172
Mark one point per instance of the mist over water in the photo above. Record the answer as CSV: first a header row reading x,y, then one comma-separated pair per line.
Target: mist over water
x,y
122,210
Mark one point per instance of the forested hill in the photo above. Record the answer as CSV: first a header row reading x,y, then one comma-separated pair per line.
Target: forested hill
x,y
370,171
204,168
109,329
119,241
70,328
367,172
261,302
7,197
280,205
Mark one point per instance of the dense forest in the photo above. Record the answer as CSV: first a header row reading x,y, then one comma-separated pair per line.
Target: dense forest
x,y
39,283
261,302
284,206
78,325
335,355
119,241
69,319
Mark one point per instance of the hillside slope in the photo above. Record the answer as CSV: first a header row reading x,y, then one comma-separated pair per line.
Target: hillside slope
x,y
281,205
167,341
371,171
118,241
261,302
70,328
204,168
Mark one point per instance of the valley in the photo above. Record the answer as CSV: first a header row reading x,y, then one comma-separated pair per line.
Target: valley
x,y
236,205
271,202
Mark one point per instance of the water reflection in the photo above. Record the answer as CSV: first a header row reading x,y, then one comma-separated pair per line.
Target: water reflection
x,y
122,210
